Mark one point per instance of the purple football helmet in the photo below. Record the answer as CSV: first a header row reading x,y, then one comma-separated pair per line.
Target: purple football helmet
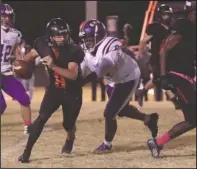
x,y
7,16
92,33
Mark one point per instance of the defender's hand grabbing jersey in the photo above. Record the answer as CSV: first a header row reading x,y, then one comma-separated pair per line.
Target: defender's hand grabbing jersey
x,y
111,63
9,39
61,59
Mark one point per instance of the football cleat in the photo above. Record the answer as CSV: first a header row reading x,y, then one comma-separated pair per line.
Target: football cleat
x,y
26,130
152,124
24,158
103,148
154,148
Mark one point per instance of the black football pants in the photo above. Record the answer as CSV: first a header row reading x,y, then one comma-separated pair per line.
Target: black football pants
x,y
53,99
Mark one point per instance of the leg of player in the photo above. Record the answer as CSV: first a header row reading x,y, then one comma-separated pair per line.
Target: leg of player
x,y
18,93
120,97
71,108
50,103
2,103
141,92
186,92
133,112
31,86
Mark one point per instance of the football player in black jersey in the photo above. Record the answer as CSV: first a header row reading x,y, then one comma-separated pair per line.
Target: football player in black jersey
x,y
65,89
177,74
157,33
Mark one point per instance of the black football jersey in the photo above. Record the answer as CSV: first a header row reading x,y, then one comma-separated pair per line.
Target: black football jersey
x,y
62,58
181,58
160,34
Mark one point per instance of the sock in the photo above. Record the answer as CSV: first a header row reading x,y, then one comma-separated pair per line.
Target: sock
x,y
107,143
163,139
110,129
37,128
27,122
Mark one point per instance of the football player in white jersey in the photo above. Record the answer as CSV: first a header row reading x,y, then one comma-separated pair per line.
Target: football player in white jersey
x,y
104,58
10,40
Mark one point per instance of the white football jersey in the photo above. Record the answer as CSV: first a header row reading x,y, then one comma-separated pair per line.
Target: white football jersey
x,y
8,41
124,68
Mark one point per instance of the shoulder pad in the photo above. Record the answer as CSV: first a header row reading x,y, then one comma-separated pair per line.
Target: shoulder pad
x,y
152,28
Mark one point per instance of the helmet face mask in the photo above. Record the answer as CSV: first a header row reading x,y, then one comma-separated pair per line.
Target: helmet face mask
x,y
88,43
166,18
165,14
58,33
91,34
7,16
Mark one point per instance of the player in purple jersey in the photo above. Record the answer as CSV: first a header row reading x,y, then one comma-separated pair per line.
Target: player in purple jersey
x,y
10,43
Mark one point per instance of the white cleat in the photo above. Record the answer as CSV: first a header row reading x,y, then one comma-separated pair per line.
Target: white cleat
x,y
26,130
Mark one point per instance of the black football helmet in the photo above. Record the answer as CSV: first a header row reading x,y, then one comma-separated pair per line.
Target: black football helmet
x,y
7,16
190,6
58,33
165,14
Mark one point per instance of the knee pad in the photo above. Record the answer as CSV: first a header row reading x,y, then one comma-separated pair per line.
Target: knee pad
x,y
44,117
190,114
68,126
109,115
24,99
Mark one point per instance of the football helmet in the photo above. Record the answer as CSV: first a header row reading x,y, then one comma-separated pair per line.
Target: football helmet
x,y
165,14
7,16
58,32
91,34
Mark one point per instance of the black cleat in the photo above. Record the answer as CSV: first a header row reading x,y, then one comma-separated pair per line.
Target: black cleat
x,y
140,95
24,158
152,124
68,146
154,148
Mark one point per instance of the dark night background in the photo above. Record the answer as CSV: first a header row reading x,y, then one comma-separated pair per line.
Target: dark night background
x,y
32,16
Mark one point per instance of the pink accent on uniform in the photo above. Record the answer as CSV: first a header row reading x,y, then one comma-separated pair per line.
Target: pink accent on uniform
x,y
191,80
163,139
27,122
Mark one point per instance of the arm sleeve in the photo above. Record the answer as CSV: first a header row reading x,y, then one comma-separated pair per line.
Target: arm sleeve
x,y
180,27
41,47
78,56
152,29
106,65
19,37
85,71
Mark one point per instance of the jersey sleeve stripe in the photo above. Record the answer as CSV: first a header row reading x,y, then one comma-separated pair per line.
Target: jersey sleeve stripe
x,y
103,52
114,40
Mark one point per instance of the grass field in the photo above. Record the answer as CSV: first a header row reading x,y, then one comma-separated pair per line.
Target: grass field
x,y
129,146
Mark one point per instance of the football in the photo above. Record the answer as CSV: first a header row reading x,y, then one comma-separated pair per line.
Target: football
x,y
23,69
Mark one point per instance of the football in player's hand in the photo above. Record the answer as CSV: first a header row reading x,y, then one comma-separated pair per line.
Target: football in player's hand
x,y
23,69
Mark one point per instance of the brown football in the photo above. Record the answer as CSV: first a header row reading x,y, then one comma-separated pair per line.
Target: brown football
x,y
23,69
